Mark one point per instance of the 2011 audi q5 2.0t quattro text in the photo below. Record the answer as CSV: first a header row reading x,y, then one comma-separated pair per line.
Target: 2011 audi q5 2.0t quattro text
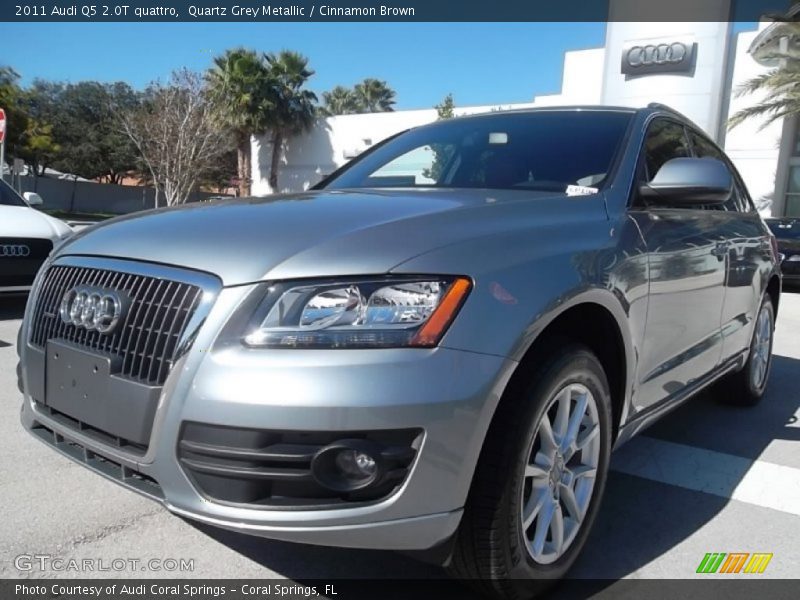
x,y
435,349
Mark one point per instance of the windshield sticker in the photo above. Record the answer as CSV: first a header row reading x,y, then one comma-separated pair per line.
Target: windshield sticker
x,y
580,190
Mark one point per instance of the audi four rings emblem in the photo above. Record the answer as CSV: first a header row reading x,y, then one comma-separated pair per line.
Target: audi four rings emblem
x,y
92,308
15,250
644,59
656,55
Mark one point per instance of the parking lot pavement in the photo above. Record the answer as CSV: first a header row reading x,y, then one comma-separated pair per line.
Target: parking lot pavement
x,y
708,478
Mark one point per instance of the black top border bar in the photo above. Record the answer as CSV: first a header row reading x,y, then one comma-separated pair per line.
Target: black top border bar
x,y
398,11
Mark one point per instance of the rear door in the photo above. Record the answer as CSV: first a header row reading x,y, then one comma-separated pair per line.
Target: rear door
x,y
687,252
749,255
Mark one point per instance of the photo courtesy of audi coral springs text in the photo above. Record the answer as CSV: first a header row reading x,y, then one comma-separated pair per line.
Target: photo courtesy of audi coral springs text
x,y
435,349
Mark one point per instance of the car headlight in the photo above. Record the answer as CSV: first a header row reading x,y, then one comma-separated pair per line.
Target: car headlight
x,y
378,313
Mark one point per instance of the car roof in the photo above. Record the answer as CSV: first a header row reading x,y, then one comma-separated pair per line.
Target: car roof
x,y
652,108
542,109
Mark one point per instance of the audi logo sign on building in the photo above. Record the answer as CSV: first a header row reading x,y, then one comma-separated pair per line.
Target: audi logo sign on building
x,y
94,309
14,250
640,59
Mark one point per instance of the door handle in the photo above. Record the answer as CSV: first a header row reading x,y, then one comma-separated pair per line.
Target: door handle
x,y
720,250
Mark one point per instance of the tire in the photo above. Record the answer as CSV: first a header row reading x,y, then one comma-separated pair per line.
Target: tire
x,y
746,387
493,550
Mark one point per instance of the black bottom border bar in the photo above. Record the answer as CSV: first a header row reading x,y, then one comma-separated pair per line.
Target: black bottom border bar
x,y
733,588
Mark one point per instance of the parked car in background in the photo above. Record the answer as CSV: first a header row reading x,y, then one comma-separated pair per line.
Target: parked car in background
x,y
27,236
787,232
433,350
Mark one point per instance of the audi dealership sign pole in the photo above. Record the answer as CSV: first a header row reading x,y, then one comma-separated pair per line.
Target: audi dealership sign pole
x,y
2,143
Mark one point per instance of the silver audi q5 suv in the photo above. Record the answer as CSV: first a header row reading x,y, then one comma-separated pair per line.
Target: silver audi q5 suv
x,y
435,349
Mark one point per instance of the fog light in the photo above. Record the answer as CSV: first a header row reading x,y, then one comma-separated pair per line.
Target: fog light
x,y
348,465
354,464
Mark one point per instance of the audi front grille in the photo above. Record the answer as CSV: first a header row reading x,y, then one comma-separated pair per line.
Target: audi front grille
x,y
147,337
20,259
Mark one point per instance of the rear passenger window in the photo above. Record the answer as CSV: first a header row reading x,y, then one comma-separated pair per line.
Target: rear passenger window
x,y
665,140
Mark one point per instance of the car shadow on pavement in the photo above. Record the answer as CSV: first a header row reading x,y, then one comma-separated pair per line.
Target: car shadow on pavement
x,y
12,308
303,561
639,521
310,565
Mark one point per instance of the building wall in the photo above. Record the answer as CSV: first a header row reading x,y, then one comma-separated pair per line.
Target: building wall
x,y
698,95
753,147
581,82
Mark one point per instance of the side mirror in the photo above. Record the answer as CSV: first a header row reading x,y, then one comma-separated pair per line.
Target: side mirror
x,y
689,182
33,198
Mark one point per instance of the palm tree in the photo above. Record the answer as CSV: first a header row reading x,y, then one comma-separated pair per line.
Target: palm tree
x,y
293,109
373,95
339,101
239,85
780,85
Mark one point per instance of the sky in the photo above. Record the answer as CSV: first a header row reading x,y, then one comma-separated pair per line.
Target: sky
x,y
480,63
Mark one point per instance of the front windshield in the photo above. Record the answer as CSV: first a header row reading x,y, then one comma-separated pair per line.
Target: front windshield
x,y
8,197
555,151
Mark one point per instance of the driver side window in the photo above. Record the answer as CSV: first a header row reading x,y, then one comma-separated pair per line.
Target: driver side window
x,y
665,140
704,149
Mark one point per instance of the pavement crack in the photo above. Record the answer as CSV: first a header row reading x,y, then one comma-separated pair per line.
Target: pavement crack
x,y
109,530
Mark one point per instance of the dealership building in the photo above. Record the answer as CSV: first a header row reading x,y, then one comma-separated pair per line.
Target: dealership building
x,y
694,67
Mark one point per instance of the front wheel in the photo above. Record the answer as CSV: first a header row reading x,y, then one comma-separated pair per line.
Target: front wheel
x,y
539,480
747,386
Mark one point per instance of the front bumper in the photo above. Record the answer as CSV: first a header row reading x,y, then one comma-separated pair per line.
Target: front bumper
x,y
449,394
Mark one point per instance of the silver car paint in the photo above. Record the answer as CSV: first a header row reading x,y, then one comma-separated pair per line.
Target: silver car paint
x,y
530,259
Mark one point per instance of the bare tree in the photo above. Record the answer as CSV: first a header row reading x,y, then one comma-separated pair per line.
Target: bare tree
x,y
176,134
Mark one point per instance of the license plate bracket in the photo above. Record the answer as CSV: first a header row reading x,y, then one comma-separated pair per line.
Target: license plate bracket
x,y
83,385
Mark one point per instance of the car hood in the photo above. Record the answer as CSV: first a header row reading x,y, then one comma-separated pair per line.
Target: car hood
x,y
319,233
26,222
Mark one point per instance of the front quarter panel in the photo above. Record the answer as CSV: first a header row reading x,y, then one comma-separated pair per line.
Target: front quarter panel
x,y
524,279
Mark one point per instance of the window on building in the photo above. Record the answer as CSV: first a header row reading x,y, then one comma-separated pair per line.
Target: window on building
x,y
791,205
793,192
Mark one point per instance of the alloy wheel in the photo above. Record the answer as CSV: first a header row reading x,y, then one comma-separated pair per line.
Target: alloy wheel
x,y
560,473
759,363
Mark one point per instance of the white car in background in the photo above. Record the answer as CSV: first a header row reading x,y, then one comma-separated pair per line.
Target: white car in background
x,y
27,236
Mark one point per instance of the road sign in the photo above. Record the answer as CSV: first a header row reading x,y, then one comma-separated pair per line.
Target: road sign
x,y
2,124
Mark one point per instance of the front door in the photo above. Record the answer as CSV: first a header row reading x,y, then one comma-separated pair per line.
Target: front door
x,y
687,254
749,256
